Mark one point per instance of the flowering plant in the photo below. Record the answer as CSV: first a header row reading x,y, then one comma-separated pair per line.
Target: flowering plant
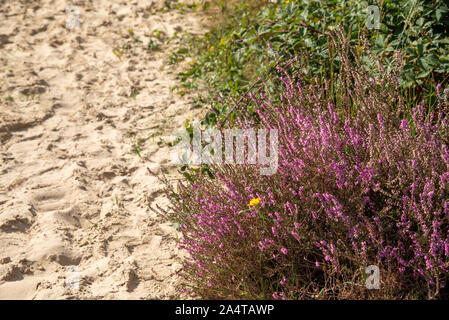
x,y
363,179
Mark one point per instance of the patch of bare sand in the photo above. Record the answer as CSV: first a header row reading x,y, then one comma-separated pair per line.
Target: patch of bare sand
x,y
72,191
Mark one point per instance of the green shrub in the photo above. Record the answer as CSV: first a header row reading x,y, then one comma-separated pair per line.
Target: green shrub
x,y
250,41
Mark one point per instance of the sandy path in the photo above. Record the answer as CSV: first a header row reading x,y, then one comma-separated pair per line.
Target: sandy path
x,y
72,191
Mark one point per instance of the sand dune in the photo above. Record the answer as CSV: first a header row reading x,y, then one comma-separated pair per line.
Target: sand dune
x,y
74,196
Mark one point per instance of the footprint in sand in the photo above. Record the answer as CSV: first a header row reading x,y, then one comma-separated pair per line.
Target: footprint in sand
x,y
51,199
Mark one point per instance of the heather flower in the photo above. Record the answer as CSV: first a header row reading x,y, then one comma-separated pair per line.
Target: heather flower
x,y
361,179
296,236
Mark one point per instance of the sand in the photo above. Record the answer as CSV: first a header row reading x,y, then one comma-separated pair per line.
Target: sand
x,y
75,197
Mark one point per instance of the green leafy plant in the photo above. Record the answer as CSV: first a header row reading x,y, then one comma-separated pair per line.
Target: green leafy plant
x,y
257,34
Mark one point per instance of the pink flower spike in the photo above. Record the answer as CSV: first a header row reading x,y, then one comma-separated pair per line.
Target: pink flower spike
x,y
296,236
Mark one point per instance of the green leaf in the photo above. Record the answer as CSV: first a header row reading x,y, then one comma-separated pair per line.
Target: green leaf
x,y
438,15
420,49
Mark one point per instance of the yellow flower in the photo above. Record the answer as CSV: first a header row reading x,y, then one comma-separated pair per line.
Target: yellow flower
x,y
287,2
254,202
222,42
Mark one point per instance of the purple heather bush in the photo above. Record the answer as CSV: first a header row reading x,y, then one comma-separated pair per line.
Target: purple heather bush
x,y
363,179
